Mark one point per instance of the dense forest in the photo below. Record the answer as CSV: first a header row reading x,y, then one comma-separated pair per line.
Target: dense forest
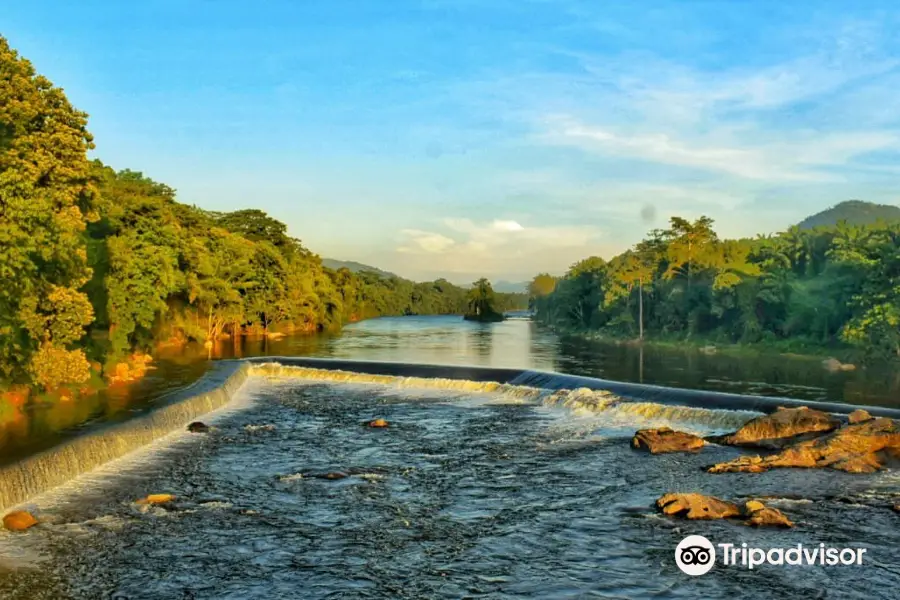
x,y
826,286
97,264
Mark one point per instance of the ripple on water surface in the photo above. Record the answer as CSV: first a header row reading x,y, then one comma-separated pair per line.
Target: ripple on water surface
x,y
464,495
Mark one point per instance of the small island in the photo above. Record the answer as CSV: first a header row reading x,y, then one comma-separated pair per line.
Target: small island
x,y
481,301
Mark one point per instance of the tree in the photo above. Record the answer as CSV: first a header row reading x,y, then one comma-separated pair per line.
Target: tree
x,y
46,200
481,302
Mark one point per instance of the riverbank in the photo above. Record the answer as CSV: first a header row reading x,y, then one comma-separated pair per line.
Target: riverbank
x,y
793,348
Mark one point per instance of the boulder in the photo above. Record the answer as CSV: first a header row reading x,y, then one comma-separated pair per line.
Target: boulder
x,y
378,423
156,499
834,365
19,520
780,429
758,515
897,508
856,448
697,506
664,439
858,416
198,427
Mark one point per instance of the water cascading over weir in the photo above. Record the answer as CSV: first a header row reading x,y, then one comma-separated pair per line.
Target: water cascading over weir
x,y
107,442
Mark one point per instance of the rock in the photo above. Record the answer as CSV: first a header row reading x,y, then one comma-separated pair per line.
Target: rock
x,y
780,429
198,427
332,475
857,448
697,506
858,416
709,349
275,335
758,515
19,520
156,499
378,423
664,439
897,508
834,365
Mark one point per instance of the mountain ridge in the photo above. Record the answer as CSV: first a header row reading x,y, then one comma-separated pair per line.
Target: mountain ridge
x,y
854,212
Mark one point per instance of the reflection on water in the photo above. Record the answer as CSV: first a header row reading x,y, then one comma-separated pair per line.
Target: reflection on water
x,y
516,343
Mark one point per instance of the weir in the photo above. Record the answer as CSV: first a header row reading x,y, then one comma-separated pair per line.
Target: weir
x,y
51,468
548,380
95,447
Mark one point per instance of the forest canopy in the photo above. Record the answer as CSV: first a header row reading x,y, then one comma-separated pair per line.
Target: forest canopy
x,y
826,286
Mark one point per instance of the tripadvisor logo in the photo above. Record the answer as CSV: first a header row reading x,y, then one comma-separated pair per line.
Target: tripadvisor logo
x,y
696,555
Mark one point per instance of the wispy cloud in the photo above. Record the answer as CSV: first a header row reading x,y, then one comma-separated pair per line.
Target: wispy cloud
x,y
500,247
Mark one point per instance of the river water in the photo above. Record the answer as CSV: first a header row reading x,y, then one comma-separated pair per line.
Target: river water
x,y
472,492
517,343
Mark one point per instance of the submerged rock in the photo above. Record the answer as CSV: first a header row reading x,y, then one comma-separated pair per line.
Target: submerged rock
x,y
697,506
198,427
781,428
857,448
333,475
664,439
834,365
759,515
19,520
156,499
378,423
858,416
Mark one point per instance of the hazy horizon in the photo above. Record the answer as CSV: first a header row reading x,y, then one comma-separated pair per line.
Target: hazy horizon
x,y
445,138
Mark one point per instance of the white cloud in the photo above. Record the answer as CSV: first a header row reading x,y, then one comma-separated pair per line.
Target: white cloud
x,y
496,248
789,160
425,241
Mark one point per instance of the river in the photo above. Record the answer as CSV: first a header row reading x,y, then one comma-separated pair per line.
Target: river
x,y
475,490
517,343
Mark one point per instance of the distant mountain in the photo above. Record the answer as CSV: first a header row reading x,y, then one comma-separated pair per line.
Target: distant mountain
x,y
354,267
510,287
855,212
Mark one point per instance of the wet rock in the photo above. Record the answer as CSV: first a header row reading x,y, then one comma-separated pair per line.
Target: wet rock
x,y
709,349
19,520
897,508
333,475
156,499
857,448
834,365
198,427
780,429
378,423
697,506
664,439
760,515
858,416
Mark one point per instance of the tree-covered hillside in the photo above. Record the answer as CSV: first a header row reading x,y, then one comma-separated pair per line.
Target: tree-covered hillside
x,y
354,267
854,212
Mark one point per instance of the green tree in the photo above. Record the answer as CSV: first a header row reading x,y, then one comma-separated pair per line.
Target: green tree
x,y
46,200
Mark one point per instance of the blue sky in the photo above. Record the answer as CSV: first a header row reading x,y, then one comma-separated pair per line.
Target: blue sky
x,y
462,138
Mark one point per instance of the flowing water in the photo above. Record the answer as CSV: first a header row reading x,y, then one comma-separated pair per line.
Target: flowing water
x,y
475,490
478,488
449,340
